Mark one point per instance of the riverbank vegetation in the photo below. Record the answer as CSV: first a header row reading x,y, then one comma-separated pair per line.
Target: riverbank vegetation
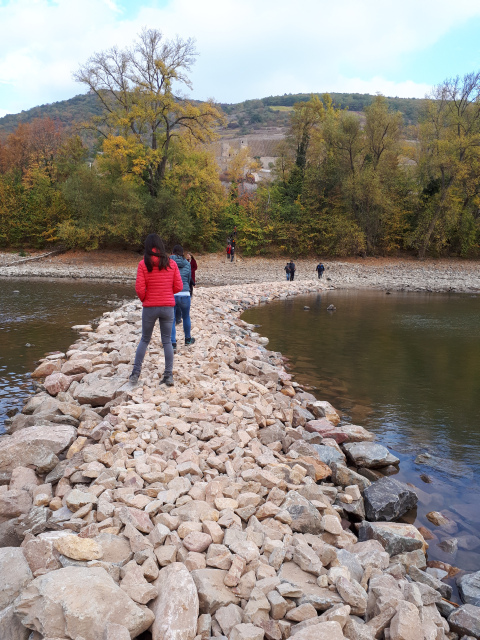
x,y
342,185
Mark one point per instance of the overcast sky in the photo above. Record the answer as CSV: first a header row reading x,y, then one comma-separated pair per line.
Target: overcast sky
x,y
248,48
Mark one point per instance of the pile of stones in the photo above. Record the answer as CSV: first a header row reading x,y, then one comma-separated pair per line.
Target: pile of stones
x,y
234,505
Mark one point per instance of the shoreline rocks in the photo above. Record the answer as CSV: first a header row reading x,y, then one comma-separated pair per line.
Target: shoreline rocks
x,y
227,506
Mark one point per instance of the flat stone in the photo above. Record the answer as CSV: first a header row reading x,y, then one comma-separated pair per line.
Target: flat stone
x,y
466,620
78,548
394,537
321,631
35,446
369,455
79,602
305,517
98,392
15,575
387,499
306,584
469,588
212,592
328,455
247,631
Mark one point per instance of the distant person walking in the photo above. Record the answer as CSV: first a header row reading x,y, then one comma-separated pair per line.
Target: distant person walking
x,y
320,269
287,270
183,298
293,268
232,254
158,279
194,267
229,251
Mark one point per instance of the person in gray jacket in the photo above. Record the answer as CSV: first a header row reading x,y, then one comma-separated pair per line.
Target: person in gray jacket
x,y
182,299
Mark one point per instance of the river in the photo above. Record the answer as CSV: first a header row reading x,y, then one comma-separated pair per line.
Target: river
x,y
36,317
406,366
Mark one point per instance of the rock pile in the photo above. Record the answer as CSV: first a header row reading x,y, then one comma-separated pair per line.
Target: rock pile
x,y
234,505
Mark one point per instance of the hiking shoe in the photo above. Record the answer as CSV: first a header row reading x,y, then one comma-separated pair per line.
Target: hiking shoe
x,y
168,380
189,341
174,345
133,379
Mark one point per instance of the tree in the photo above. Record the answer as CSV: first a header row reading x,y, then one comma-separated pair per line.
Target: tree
x,y
449,165
137,89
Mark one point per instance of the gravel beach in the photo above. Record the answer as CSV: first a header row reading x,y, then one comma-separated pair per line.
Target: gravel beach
x,y
446,275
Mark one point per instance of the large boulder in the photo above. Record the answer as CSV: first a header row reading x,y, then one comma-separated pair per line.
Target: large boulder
x,y
395,537
57,382
36,446
305,516
369,455
387,499
176,608
469,588
99,391
465,620
79,601
15,575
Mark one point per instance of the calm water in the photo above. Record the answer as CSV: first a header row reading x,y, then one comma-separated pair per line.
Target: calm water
x,y
406,366
41,314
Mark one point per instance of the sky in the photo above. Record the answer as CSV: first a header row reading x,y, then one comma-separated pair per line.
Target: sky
x,y
247,48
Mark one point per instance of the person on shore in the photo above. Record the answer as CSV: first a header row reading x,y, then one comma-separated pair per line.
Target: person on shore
x,y
232,253
194,267
158,280
229,251
287,270
320,269
182,298
293,268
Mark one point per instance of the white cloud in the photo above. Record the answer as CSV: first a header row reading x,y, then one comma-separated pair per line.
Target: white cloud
x,y
248,48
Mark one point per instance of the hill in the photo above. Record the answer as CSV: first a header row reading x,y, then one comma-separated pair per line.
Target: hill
x,y
243,118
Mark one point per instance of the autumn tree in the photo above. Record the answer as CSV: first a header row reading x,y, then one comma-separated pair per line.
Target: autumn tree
x,y
144,110
449,166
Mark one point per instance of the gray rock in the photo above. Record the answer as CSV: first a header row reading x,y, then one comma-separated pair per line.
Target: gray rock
x,y
305,517
417,575
370,455
387,499
466,620
329,455
274,433
344,477
394,537
301,416
469,588
350,561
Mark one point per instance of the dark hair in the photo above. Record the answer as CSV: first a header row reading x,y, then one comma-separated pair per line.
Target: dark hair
x,y
154,247
178,250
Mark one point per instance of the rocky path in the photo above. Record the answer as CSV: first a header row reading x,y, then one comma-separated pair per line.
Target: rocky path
x,y
387,274
233,505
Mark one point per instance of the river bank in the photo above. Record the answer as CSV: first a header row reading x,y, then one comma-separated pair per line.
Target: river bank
x,y
232,505
445,275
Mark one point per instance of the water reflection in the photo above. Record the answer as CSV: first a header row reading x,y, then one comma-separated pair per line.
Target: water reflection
x,y
406,366
41,315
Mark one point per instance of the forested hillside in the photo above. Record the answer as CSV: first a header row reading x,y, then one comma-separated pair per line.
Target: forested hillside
x,y
242,118
386,182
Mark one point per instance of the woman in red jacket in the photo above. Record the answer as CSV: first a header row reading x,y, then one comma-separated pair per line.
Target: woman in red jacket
x,y
158,279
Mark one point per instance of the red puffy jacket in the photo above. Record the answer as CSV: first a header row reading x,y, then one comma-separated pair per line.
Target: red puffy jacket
x,y
156,288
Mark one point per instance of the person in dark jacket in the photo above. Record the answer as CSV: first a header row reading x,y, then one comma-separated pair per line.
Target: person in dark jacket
x,y
194,267
158,279
292,270
182,298
287,270
320,269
